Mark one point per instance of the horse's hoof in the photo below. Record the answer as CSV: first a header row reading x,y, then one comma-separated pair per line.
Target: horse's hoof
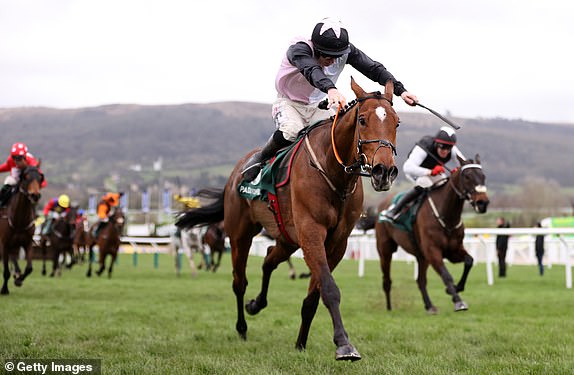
x,y
460,306
347,353
43,273
432,310
18,282
5,292
252,307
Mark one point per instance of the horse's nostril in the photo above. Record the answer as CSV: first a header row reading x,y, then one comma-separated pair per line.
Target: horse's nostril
x,y
393,173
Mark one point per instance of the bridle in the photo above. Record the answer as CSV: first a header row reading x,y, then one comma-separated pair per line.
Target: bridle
x,y
25,180
361,165
462,191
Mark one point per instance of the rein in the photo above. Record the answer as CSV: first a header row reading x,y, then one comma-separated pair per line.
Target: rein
x,y
360,166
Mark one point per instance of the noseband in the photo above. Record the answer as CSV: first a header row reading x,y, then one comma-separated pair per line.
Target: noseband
x,y
361,165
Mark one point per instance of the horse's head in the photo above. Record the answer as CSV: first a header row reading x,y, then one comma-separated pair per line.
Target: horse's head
x,y
118,218
30,183
376,132
471,184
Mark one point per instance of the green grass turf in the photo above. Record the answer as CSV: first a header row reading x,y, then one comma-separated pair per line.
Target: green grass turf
x,y
147,321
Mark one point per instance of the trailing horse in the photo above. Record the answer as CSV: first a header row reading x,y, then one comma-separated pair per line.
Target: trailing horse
x,y
17,225
214,237
437,232
315,210
61,240
108,242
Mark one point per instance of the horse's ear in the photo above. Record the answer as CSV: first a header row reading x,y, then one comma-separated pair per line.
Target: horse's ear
x,y
39,163
358,90
389,89
461,160
477,159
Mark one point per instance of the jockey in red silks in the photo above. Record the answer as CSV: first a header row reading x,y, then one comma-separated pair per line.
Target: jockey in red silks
x,y
19,159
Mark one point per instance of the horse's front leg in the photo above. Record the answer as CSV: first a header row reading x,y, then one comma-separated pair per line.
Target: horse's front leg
x,y
102,263
440,268
55,261
28,270
308,310
468,262
17,270
275,255
44,255
5,262
422,284
90,260
331,296
113,256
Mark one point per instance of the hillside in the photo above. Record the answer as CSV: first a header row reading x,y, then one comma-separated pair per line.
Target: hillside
x,y
198,143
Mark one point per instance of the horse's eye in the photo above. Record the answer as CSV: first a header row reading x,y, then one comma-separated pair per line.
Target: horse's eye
x,y
362,120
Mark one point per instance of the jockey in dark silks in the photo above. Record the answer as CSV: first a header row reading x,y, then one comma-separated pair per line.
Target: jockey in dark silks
x,y
425,166
307,75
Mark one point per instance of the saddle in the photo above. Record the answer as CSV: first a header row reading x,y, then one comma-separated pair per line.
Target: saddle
x,y
408,214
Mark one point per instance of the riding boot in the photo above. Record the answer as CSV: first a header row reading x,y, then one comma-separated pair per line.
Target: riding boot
x,y
47,227
394,211
98,228
253,166
5,194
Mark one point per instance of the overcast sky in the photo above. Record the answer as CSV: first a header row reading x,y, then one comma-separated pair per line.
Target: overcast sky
x,y
475,58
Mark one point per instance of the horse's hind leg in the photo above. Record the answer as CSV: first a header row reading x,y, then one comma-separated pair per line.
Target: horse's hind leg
x,y
275,255
239,253
386,247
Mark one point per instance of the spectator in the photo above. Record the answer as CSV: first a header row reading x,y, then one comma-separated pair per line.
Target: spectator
x,y
539,248
502,246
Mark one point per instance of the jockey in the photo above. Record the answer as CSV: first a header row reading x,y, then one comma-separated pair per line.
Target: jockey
x,y
19,159
307,74
53,209
425,166
105,205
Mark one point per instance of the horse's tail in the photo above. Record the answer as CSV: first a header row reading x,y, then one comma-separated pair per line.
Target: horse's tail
x,y
211,213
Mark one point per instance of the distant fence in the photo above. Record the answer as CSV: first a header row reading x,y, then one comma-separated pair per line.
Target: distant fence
x,y
479,242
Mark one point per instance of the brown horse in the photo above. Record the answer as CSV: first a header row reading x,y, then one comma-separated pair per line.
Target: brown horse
x,y
17,224
108,242
214,237
80,242
319,207
438,233
61,239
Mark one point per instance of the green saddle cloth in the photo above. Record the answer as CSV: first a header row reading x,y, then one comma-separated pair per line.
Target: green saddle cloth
x,y
266,180
406,220
273,170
